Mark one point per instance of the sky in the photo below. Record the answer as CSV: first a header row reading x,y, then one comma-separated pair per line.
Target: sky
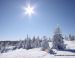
x,y
15,25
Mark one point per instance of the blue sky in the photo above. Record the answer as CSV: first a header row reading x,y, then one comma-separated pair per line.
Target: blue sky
x,y
15,25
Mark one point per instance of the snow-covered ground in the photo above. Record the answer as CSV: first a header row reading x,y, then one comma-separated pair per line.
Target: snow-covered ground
x,y
70,44
37,53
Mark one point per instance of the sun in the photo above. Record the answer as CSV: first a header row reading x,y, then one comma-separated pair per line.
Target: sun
x,y
29,10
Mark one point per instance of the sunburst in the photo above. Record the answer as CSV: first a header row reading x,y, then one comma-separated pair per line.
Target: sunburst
x,y
29,10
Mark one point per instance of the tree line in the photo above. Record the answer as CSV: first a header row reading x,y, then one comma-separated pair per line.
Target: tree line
x,y
43,43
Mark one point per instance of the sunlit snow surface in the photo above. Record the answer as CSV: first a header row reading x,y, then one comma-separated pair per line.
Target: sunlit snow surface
x,y
37,53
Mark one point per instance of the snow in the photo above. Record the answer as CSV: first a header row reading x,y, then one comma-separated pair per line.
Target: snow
x,y
32,53
23,53
37,53
70,44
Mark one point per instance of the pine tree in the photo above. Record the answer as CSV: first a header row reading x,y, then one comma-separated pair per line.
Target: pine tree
x,y
19,44
58,42
33,42
28,43
66,37
71,37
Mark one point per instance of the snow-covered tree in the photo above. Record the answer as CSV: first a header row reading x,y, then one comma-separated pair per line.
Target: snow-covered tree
x,y
28,43
19,45
66,37
71,37
37,42
23,44
3,47
33,42
49,39
58,42
44,44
